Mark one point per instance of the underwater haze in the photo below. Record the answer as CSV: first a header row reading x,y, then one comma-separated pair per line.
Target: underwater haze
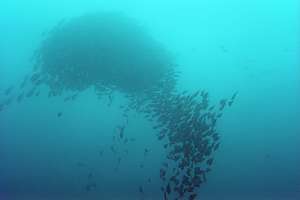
x,y
76,141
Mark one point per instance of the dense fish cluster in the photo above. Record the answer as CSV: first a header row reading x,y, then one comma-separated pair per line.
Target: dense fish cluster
x,y
104,50
186,123
108,52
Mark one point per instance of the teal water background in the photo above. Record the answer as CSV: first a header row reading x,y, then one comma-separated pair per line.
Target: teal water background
x,y
222,46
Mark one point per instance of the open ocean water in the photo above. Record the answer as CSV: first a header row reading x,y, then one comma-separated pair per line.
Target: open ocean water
x,y
87,148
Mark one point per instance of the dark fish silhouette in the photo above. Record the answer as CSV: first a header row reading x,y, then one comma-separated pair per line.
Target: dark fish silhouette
x,y
50,94
230,102
141,190
90,175
216,146
224,49
35,77
165,196
162,173
101,152
210,161
112,148
192,196
73,97
168,189
234,95
59,114
20,97
121,129
222,104
9,90
8,101
23,84
146,151
90,186
37,93
30,93
80,164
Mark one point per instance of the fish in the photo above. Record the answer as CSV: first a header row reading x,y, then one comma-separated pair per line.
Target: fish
x,y
38,82
168,189
80,164
222,104
165,164
9,90
146,151
165,196
204,94
59,114
110,99
267,156
204,177
20,97
219,115
216,146
198,171
30,92
8,101
196,180
211,108
195,94
223,48
34,77
230,103
192,196
160,137
210,161
141,190
90,175
162,173
121,133
90,186
215,136
101,152
113,149
73,97
234,95
22,85
37,93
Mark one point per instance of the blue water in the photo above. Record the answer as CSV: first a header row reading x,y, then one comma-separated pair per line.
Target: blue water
x,y
249,46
